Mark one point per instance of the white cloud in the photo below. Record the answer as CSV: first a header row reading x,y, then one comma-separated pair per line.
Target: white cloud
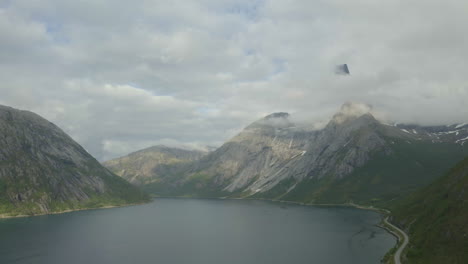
x,y
118,75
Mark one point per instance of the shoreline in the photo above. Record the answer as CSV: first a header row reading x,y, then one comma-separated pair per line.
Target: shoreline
x,y
352,205
5,216
403,241
384,224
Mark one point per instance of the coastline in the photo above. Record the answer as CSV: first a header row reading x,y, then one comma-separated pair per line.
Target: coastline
x,y
402,238
6,216
353,205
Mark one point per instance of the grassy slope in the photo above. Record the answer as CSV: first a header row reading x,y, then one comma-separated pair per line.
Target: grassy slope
x,y
197,185
437,219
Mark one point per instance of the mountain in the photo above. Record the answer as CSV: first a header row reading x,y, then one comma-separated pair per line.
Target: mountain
x,y
144,166
355,158
43,170
435,219
457,133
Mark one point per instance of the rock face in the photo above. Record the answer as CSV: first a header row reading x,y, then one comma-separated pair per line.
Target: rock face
x,y
147,165
44,170
354,158
435,219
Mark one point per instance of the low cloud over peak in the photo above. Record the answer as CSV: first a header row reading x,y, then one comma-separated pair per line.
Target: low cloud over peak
x,y
350,110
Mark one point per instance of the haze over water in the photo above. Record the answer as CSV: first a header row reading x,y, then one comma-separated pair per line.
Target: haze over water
x,y
198,231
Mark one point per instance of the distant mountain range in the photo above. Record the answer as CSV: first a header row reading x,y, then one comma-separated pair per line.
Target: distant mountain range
x,y
147,165
43,170
355,158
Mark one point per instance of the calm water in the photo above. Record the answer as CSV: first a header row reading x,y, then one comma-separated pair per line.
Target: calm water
x,y
197,231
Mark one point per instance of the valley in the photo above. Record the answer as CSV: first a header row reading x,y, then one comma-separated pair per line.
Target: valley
x,y
355,160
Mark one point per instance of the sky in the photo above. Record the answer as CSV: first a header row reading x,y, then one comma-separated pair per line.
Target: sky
x,y
119,76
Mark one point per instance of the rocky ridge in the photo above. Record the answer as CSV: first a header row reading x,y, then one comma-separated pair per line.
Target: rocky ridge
x,y
146,165
43,170
354,158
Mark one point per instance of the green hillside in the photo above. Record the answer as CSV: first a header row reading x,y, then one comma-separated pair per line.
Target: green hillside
x,y
436,219
385,177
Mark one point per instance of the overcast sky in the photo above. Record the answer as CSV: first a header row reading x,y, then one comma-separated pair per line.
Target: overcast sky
x,y
122,75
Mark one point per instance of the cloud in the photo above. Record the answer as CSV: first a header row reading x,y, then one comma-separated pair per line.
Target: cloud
x,y
120,75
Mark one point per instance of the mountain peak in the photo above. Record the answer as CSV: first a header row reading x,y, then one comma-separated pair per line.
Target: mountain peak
x,y
272,121
277,115
351,110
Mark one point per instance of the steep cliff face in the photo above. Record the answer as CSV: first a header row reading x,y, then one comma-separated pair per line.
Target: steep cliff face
x,y
435,219
44,170
354,158
274,149
257,153
147,165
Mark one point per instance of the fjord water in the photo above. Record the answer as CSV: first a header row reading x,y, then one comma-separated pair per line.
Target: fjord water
x,y
198,231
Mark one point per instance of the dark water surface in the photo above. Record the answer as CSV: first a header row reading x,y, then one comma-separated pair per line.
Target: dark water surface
x,y
197,232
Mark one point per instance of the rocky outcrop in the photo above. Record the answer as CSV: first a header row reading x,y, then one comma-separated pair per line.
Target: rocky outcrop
x,y
43,170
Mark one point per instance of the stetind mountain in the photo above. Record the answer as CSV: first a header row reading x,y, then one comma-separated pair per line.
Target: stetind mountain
x,y
43,170
354,158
